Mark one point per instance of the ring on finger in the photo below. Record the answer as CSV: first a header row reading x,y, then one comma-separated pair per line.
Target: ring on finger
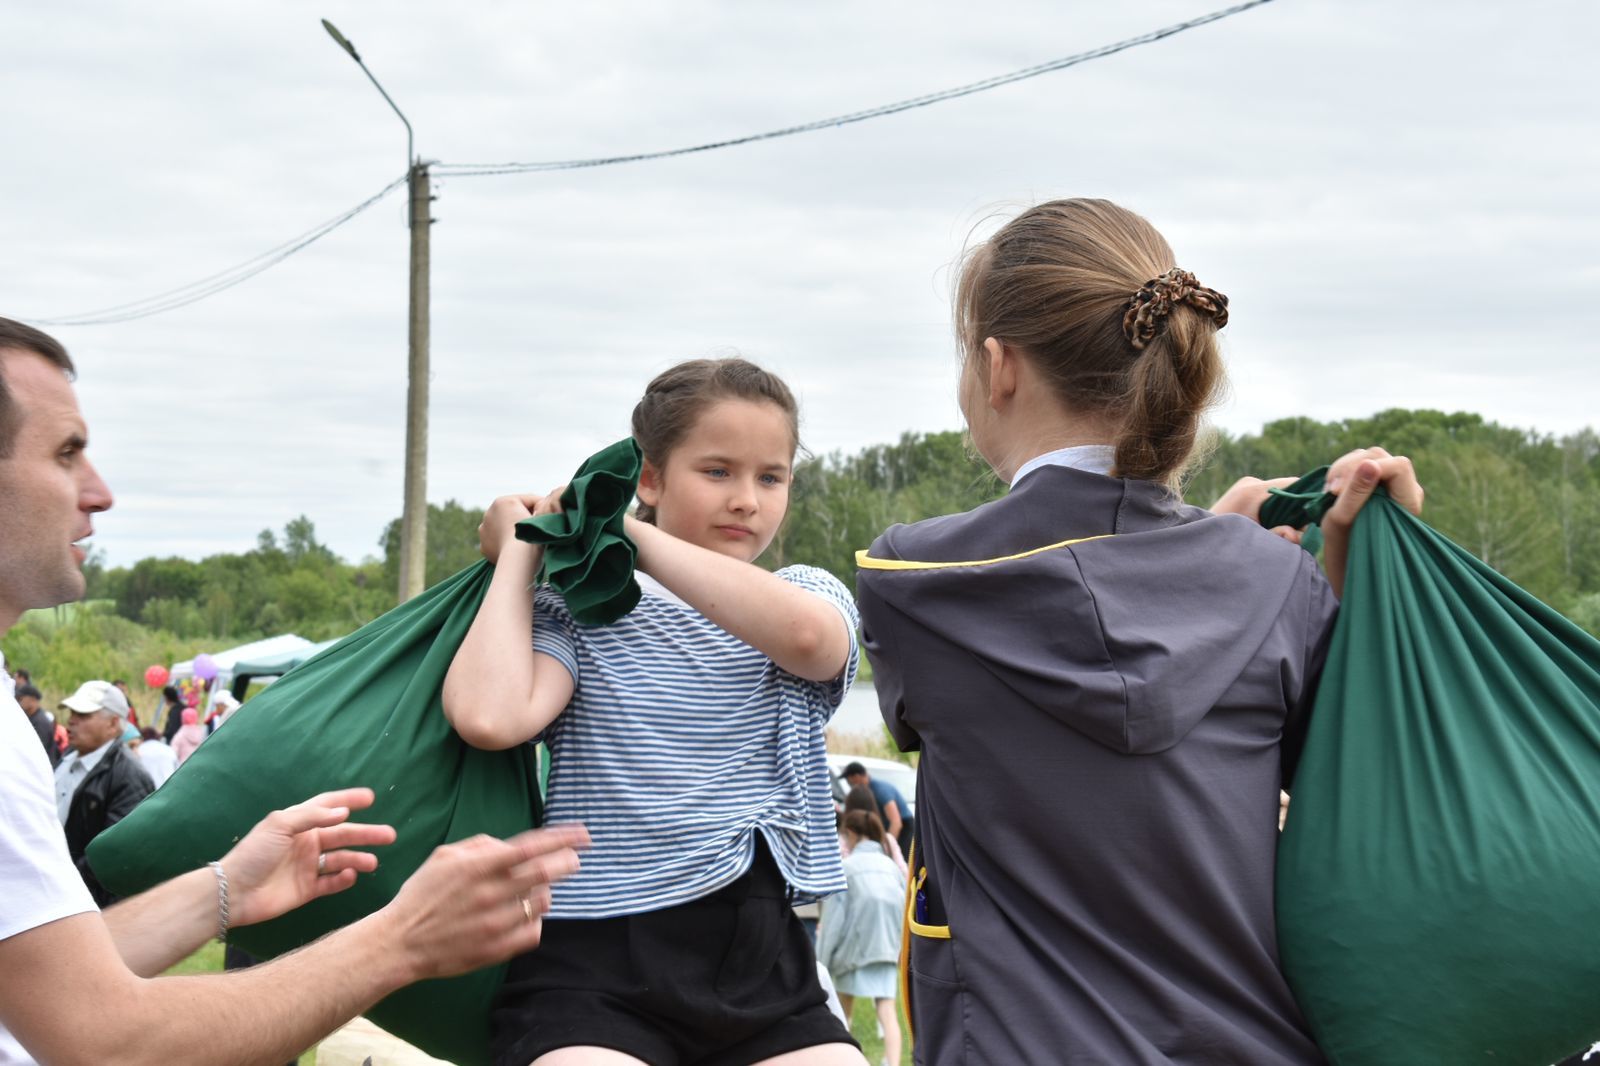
x,y
322,864
527,906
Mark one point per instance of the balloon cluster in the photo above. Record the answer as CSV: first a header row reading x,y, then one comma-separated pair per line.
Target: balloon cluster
x,y
191,690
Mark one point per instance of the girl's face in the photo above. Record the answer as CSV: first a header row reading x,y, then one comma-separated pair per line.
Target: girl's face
x,y
726,485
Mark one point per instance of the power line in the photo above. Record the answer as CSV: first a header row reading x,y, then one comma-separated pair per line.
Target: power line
x,y
474,170
242,272
220,281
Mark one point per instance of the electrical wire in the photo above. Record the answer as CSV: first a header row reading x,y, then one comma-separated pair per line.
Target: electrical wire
x,y
475,170
220,281
242,272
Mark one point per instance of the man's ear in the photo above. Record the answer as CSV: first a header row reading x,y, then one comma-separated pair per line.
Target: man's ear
x,y
649,492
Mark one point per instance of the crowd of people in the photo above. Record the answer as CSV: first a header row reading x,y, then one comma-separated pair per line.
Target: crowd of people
x,y
104,763
1136,672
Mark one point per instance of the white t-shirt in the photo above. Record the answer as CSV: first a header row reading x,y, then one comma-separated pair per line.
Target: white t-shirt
x,y
159,761
38,883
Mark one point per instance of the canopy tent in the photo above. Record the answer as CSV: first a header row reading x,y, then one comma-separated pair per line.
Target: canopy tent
x,y
227,660
272,666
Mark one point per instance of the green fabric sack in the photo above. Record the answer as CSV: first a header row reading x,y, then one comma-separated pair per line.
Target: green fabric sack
x,y
1438,885
588,558
367,712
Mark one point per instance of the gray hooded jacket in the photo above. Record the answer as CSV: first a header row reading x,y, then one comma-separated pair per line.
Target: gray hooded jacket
x,y
1104,726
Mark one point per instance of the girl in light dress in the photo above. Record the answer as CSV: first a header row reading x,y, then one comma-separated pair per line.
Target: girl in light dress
x,y
859,938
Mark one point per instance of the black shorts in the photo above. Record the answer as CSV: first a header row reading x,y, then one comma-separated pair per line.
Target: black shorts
x,y
724,980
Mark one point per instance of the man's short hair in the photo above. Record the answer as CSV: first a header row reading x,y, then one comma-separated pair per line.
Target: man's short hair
x,y
853,769
27,339
28,690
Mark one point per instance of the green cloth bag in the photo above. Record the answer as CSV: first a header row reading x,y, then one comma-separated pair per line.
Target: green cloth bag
x,y
588,558
366,712
1438,883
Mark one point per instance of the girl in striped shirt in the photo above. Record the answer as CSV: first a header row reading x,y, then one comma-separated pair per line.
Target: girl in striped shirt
x,y
688,737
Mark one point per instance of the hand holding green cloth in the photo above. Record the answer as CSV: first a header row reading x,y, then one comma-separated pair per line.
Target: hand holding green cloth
x,y
366,711
588,558
1438,885
1301,506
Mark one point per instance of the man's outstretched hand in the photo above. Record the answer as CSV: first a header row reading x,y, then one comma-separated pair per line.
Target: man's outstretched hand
x,y
296,855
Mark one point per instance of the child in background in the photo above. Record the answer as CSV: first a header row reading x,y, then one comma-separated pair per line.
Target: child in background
x,y
189,737
859,938
688,737
1108,686
860,798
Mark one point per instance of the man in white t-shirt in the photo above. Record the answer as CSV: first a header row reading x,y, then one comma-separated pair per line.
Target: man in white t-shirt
x,y
472,904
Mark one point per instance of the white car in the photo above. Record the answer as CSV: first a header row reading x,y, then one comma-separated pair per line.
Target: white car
x,y
898,774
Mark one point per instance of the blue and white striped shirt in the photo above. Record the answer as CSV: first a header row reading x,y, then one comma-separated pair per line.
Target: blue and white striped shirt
x,y
679,742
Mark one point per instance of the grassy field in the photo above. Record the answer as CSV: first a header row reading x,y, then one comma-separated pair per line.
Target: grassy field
x,y
864,1027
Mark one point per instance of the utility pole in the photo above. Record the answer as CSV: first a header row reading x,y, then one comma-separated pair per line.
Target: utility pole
x,y
414,517
414,513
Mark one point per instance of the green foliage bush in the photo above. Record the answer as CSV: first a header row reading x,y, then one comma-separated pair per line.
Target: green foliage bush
x,y
1525,502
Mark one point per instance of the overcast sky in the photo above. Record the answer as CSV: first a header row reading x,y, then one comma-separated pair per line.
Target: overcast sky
x,y
1398,198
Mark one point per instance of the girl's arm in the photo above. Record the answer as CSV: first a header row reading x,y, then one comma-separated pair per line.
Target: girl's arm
x,y
498,692
800,631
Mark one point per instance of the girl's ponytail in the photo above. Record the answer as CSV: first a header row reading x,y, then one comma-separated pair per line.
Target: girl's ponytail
x,y
866,825
1171,323
1066,283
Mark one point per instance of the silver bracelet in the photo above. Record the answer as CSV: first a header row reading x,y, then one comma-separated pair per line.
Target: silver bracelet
x,y
222,900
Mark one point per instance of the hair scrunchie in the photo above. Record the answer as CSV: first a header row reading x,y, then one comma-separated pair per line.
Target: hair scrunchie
x,y
1146,316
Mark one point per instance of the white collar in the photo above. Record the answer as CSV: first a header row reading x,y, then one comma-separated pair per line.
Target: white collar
x,y
1095,458
91,760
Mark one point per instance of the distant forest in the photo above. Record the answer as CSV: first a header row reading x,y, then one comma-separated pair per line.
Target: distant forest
x,y
1526,503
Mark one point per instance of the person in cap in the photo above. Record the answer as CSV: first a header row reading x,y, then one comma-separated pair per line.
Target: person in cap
x,y
100,782
43,722
472,904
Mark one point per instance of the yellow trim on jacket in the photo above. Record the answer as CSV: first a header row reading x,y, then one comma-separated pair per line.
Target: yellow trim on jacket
x,y
864,561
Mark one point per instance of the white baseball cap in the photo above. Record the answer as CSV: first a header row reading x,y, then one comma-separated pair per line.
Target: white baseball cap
x,y
95,696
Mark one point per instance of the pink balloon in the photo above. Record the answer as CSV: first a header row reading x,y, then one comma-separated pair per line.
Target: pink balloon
x,y
156,676
205,667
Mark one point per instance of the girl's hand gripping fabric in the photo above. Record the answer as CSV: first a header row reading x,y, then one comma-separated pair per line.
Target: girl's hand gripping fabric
x,y
498,692
1352,478
499,525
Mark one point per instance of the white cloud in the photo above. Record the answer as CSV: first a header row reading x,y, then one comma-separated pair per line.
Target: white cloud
x,y
1398,198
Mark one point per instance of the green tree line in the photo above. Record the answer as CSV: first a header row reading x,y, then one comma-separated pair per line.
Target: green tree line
x,y
1525,502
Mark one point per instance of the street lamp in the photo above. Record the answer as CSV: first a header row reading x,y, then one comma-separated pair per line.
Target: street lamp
x,y
414,516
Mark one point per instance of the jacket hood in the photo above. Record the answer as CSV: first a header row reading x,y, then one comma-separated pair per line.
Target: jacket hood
x,y
1098,631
